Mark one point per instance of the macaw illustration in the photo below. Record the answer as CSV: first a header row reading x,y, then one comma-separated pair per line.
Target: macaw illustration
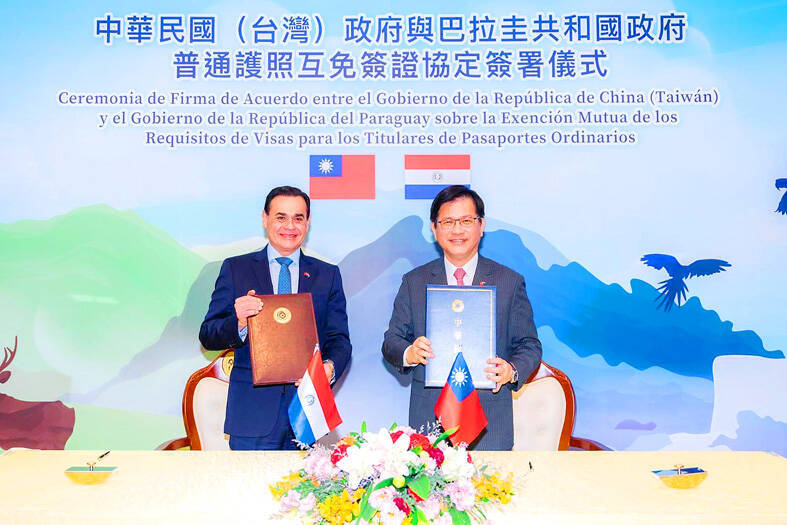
x,y
674,286
781,184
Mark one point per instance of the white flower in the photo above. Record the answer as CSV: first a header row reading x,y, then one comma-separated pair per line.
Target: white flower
x,y
358,463
394,458
431,506
462,494
455,465
443,519
380,498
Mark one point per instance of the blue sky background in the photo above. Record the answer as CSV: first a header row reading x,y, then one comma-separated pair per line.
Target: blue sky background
x,y
701,189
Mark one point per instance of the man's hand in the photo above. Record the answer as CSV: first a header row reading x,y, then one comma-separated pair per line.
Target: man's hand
x,y
246,306
501,372
328,366
420,352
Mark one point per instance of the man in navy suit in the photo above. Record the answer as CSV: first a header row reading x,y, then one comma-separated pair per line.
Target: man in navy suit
x,y
256,416
457,217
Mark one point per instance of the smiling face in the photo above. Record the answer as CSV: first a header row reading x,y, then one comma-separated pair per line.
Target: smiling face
x,y
459,244
286,223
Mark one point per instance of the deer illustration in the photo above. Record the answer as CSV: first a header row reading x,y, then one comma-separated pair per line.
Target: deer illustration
x,y
8,356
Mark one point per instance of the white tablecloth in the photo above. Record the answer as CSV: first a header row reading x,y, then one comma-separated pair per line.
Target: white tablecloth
x,y
221,487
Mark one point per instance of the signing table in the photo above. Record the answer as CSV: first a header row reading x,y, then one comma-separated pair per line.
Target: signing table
x,y
222,487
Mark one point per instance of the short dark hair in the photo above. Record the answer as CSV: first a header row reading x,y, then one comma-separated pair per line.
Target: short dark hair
x,y
452,193
289,191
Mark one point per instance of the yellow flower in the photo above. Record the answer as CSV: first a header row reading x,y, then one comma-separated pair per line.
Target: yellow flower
x,y
347,440
290,481
493,487
338,509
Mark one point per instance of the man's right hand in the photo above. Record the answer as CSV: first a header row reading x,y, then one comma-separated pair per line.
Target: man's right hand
x,y
247,306
420,352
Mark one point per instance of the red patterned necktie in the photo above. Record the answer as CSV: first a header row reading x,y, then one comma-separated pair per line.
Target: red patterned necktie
x,y
459,273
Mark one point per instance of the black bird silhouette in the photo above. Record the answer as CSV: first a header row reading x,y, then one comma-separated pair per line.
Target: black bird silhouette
x,y
674,286
781,184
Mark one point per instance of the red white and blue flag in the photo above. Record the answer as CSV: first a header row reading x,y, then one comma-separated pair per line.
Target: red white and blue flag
x,y
313,410
426,175
459,405
341,176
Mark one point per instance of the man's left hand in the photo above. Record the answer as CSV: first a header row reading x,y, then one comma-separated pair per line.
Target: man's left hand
x,y
500,371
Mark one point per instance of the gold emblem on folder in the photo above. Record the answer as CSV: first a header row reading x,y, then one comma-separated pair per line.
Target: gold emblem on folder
x,y
282,315
457,306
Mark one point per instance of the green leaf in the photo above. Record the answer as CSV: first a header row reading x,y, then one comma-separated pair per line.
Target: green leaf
x,y
363,427
459,517
384,483
420,485
393,427
445,435
366,512
419,517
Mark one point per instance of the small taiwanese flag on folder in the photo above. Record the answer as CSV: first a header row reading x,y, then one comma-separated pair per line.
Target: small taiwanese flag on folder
x,y
313,411
459,405
426,175
341,176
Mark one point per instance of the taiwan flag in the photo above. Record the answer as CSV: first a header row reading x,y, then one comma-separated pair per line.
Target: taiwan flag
x,y
341,176
459,405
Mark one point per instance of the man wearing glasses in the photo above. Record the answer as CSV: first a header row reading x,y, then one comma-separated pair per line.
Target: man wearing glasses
x,y
457,217
256,417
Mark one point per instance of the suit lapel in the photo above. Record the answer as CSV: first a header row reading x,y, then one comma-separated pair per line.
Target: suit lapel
x,y
483,273
306,277
263,272
437,268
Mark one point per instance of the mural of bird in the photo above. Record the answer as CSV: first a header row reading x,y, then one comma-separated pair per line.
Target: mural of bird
x,y
781,184
674,287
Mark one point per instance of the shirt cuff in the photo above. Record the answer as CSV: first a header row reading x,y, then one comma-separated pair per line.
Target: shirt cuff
x,y
333,371
405,364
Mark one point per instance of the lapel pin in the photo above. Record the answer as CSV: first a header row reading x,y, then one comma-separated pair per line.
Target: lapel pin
x,y
482,283
306,274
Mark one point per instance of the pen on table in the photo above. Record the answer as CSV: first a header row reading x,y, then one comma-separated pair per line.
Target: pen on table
x,y
530,464
107,452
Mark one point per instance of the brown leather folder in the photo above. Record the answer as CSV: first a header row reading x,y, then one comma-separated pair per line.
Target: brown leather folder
x,y
282,338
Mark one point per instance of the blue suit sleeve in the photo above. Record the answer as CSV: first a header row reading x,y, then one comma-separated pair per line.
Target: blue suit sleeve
x,y
523,338
400,333
219,330
336,342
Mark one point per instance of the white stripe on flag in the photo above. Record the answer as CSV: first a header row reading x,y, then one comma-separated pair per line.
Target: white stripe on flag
x,y
311,407
437,176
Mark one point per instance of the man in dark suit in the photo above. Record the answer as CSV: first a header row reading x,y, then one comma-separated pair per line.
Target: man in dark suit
x,y
256,417
457,217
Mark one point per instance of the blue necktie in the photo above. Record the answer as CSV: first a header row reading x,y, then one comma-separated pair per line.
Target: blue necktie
x,y
285,285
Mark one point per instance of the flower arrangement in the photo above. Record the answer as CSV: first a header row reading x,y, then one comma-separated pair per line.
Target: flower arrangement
x,y
395,476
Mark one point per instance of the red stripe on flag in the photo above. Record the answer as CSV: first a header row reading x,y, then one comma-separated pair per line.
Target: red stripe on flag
x,y
356,181
468,415
323,388
433,162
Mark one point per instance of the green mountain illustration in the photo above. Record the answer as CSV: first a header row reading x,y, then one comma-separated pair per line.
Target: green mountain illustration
x,y
84,292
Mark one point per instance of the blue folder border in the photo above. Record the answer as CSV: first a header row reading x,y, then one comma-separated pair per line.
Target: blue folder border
x,y
482,383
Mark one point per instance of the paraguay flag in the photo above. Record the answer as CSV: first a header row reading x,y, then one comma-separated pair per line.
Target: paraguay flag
x,y
313,411
341,176
426,175
459,405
